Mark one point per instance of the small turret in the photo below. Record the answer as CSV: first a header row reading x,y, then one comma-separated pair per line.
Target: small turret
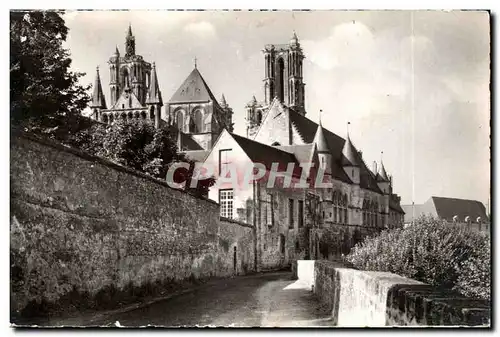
x,y
350,161
324,154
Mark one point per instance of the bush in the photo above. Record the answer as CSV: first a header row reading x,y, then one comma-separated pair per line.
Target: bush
x,y
444,255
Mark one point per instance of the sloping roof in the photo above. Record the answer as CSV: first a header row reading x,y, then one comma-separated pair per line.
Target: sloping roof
x,y
447,208
265,154
194,88
301,152
306,128
187,142
197,155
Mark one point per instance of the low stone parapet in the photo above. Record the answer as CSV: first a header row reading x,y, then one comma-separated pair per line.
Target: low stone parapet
x,y
360,298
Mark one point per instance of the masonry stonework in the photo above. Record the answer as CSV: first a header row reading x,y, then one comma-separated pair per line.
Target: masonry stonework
x,y
80,224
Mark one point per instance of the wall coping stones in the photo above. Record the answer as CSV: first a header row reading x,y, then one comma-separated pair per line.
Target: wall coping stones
x,y
371,298
15,134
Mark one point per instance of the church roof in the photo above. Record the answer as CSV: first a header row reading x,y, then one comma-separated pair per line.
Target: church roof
x,y
265,154
194,88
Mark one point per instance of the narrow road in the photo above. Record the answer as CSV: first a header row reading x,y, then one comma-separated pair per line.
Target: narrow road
x,y
265,300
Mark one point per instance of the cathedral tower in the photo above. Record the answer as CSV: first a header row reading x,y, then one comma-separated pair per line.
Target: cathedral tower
x,y
283,74
129,73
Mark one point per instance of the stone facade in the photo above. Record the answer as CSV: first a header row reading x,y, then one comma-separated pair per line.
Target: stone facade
x,y
83,225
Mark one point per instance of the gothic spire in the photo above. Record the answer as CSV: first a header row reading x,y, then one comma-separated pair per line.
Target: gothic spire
x,y
154,94
129,43
98,99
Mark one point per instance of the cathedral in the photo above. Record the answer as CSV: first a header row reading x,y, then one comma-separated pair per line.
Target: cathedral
x,y
289,223
135,94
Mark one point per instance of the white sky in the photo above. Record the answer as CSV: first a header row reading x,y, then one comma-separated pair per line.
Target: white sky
x,y
419,92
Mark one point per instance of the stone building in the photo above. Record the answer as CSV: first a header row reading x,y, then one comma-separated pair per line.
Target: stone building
x,y
306,220
295,222
135,94
471,213
134,89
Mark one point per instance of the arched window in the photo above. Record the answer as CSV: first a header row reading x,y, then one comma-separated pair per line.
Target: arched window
x,y
105,118
259,117
130,115
180,120
111,118
281,79
198,121
124,78
143,114
152,113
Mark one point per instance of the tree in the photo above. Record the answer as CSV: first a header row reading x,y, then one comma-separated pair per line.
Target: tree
x,y
44,93
139,145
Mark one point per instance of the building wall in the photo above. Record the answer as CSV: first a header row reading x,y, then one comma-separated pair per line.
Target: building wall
x,y
275,127
280,240
82,225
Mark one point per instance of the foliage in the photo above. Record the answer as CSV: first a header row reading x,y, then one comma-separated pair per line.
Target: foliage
x,y
139,145
44,93
440,254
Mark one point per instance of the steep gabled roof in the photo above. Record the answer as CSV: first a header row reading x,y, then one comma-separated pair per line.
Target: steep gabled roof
x,y
265,154
447,208
194,88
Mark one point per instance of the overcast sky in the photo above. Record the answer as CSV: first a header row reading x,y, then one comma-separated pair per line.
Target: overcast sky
x,y
413,84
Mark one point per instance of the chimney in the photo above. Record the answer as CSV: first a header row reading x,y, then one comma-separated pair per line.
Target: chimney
x,y
375,167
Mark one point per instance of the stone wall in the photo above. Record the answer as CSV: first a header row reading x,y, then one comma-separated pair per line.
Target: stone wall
x,y
366,298
236,237
81,225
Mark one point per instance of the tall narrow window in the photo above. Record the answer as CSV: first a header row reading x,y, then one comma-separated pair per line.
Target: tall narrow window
x,y
282,244
269,216
290,214
226,203
281,80
224,161
301,213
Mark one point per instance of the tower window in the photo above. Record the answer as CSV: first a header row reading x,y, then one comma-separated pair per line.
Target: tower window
x,y
281,79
